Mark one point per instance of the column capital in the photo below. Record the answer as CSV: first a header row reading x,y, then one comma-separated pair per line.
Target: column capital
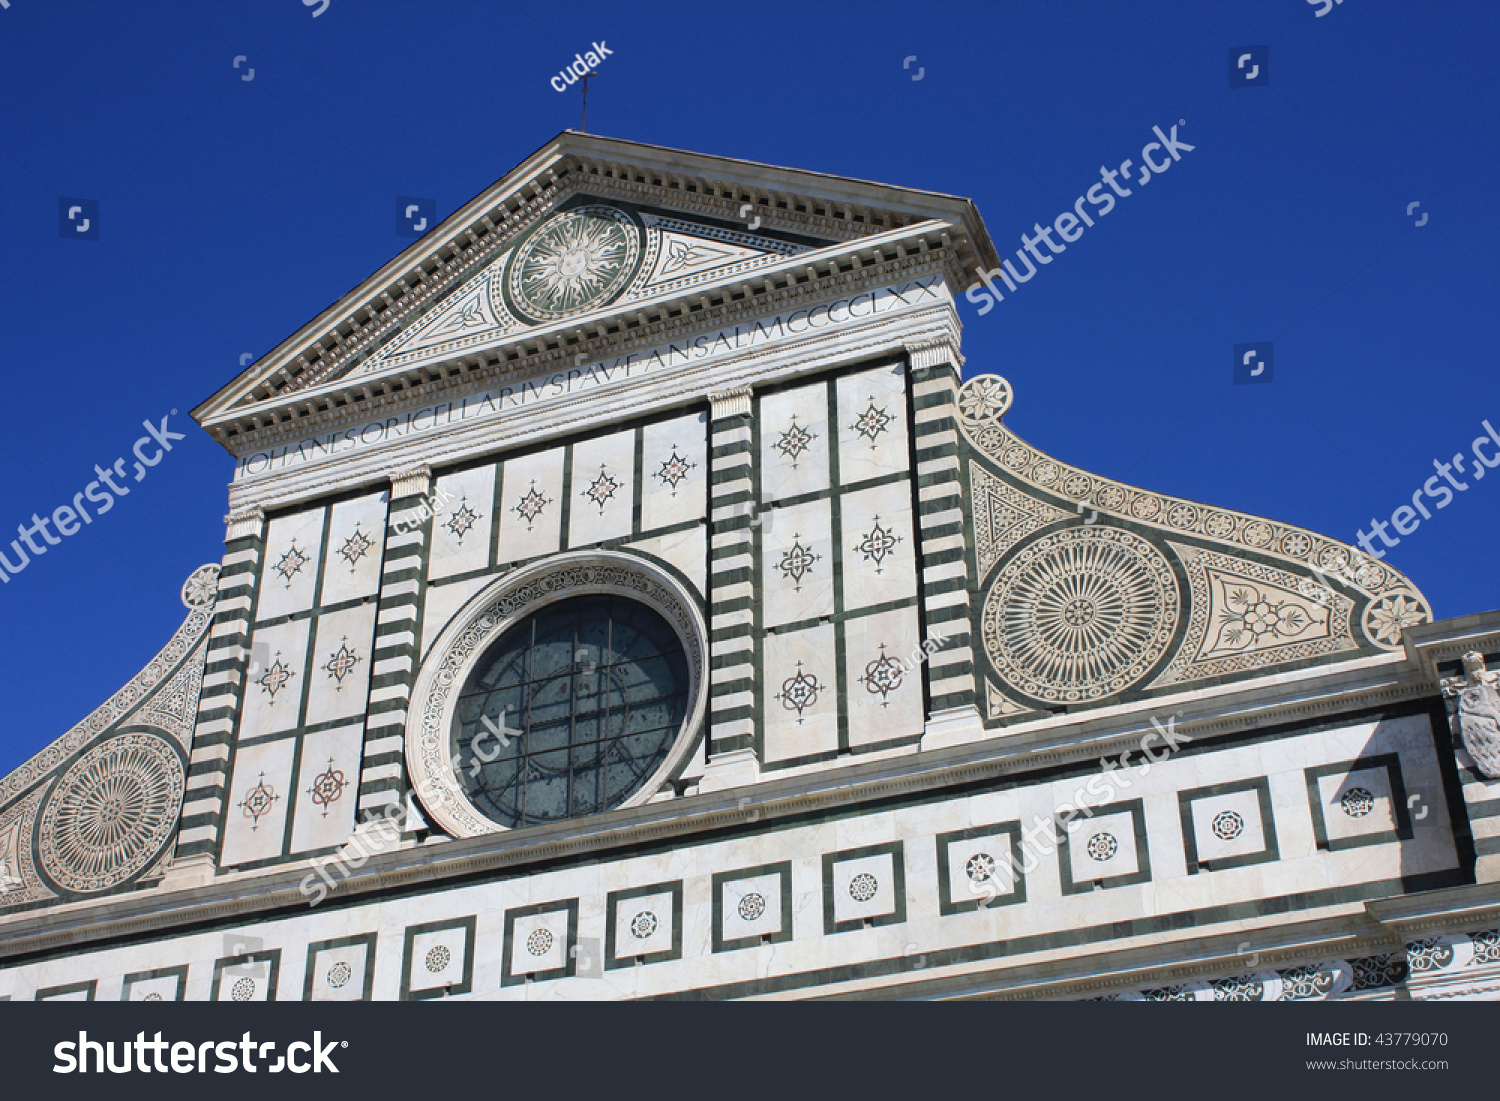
x,y
246,523
730,403
942,352
411,481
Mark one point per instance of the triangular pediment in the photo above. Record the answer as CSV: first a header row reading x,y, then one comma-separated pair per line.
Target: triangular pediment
x,y
589,242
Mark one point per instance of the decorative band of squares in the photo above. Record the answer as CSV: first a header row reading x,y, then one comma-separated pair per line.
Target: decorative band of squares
x,y
1227,825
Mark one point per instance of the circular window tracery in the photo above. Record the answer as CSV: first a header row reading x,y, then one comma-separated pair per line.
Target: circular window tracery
x,y
513,722
571,711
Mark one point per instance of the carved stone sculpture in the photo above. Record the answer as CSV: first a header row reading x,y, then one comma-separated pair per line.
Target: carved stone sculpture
x,y
1478,718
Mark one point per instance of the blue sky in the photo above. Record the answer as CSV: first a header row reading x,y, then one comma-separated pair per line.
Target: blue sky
x,y
233,210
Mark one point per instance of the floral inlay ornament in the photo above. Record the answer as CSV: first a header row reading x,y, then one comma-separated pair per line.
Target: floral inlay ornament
x,y
1357,802
202,588
243,990
1102,847
797,563
275,678
1391,616
985,398
355,547
980,867
531,505
674,470
643,925
471,316
342,663
795,441
1227,825
877,544
339,975
110,814
872,422
291,563
862,887
752,906
258,802
799,692
462,519
328,787
602,489
882,676
1253,618
540,942
438,959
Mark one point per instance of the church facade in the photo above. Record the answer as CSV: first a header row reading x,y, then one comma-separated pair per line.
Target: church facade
x,y
628,592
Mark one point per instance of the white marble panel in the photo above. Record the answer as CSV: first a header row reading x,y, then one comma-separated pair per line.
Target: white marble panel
x,y
437,958
797,564
864,887
799,697
981,868
793,427
356,541
883,662
461,529
531,506
872,424
539,942
246,982
290,570
328,784
603,501
1102,847
442,602
165,989
686,549
340,675
275,679
674,467
255,819
1227,825
339,973
643,925
751,907
1357,803
879,553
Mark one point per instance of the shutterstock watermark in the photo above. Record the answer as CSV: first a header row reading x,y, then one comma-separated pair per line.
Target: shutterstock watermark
x,y
1069,225
384,827
101,493
583,64
1043,838
1437,489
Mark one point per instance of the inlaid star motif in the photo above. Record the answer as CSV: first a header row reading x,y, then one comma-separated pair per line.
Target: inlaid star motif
x,y
275,678
291,562
355,547
342,663
797,563
794,441
601,489
258,802
462,519
328,787
531,505
872,422
674,470
882,676
799,692
877,544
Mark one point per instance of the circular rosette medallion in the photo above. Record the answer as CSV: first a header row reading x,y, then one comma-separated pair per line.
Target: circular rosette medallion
x,y
573,262
112,812
1080,615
